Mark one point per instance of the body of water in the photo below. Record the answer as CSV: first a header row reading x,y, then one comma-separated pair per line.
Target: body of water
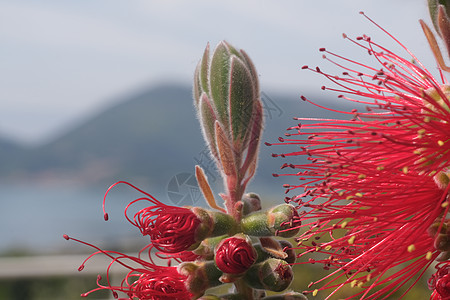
x,y
34,218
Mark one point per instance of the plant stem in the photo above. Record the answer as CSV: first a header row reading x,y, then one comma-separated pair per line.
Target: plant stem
x,y
244,290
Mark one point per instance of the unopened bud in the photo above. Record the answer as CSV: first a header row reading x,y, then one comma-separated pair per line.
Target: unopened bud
x,y
213,223
235,255
442,242
200,276
272,274
251,202
281,220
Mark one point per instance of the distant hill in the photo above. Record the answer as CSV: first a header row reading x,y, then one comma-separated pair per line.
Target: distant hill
x,y
149,137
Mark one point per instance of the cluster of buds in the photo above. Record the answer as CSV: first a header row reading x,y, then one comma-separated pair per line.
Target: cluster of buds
x,y
237,245
211,247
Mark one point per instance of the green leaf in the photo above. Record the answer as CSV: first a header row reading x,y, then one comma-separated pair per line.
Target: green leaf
x,y
219,76
204,69
207,120
197,89
242,96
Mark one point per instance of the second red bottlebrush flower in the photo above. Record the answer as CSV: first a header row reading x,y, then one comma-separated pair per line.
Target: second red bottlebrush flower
x,y
377,184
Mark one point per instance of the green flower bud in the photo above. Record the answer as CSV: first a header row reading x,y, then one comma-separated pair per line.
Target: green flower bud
x,y
200,276
281,220
272,274
284,219
251,202
442,242
206,248
213,223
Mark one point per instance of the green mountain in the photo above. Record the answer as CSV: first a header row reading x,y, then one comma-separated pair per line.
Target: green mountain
x,y
148,137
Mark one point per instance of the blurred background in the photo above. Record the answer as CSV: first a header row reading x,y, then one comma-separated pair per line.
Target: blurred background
x,y
93,92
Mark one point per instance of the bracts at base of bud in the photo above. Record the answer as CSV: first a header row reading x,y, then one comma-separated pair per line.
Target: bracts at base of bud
x,y
200,276
212,224
272,274
271,248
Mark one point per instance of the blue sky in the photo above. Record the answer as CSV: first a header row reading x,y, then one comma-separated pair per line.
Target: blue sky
x,y
62,60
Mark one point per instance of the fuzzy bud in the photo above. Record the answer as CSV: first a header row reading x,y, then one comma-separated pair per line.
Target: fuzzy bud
x,y
281,220
213,223
200,276
235,255
251,202
272,274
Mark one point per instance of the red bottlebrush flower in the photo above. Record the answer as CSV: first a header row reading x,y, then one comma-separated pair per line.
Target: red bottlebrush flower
x,y
439,283
234,255
376,184
171,229
144,281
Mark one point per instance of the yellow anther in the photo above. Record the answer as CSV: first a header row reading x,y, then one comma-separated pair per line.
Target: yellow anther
x,y
340,194
429,255
344,224
328,248
358,195
444,204
380,168
314,293
360,284
354,283
417,152
441,143
405,170
351,240
421,131
375,219
349,197
361,176
427,119
368,277
411,248
318,248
